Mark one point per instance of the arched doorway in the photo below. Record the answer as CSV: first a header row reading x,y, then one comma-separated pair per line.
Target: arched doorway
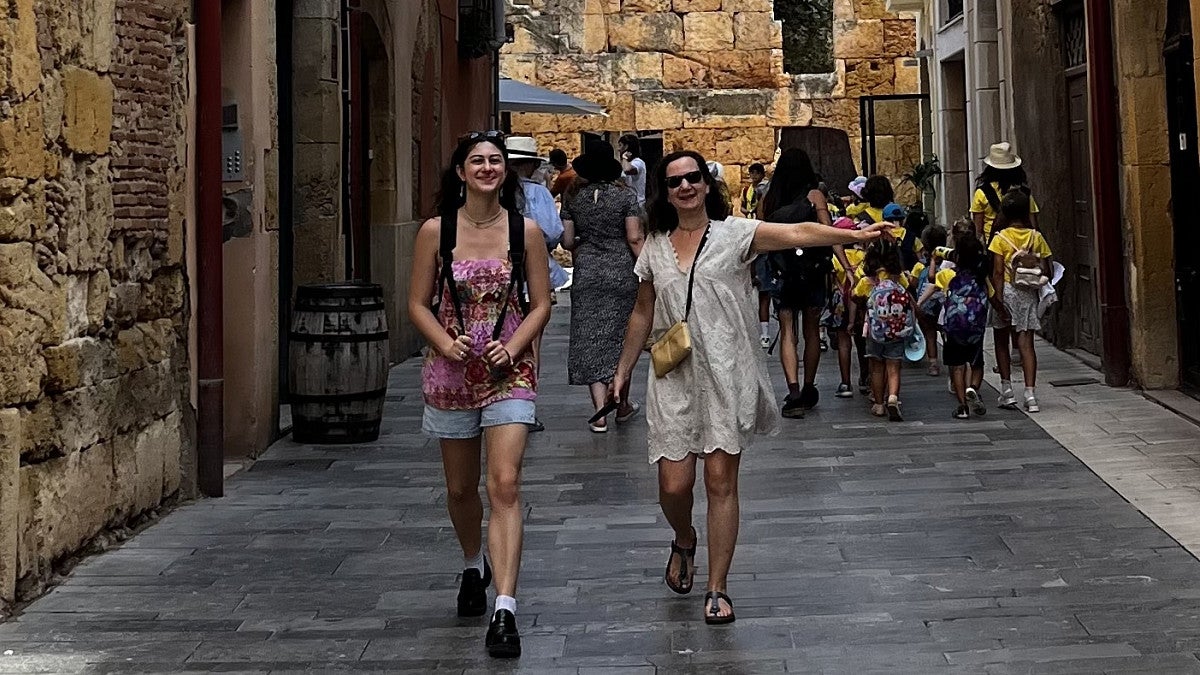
x,y
1185,175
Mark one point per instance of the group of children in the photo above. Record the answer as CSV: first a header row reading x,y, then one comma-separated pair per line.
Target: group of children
x,y
957,292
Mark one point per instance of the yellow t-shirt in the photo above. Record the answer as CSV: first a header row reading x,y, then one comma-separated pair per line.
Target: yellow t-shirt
x,y
855,257
865,285
1010,240
944,277
980,204
856,210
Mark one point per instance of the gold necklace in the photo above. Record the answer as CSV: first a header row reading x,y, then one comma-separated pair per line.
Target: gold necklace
x,y
486,222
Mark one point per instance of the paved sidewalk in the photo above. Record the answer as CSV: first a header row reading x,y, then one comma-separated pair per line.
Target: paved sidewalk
x,y
1147,453
929,546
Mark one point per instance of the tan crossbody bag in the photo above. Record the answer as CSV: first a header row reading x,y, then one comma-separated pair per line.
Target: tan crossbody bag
x,y
675,345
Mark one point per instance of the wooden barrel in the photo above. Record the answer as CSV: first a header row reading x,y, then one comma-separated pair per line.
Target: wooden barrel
x,y
338,356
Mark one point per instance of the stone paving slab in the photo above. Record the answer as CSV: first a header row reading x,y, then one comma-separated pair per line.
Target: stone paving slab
x,y
867,547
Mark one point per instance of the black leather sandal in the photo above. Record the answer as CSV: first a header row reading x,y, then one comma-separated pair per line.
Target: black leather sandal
x,y
687,566
712,603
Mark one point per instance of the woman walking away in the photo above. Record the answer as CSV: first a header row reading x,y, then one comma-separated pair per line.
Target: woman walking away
x,y
695,279
889,322
966,293
804,276
1020,268
1002,171
479,378
604,233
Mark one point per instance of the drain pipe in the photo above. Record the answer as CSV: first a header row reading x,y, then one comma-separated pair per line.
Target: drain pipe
x,y
210,454
1106,188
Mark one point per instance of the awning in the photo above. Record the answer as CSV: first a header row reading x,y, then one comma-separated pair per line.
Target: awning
x,y
520,97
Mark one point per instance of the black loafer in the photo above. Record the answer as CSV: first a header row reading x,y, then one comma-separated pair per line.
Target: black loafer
x,y
809,396
503,641
792,408
472,593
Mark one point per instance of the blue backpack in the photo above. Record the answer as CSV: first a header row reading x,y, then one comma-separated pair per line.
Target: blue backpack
x,y
966,307
889,317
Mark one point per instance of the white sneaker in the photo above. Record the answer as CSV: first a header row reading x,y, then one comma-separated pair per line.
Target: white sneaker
x,y
976,402
765,341
1007,400
1031,404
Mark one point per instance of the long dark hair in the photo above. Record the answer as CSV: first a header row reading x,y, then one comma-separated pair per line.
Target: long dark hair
x,y
1007,178
453,195
1015,207
794,178
663,216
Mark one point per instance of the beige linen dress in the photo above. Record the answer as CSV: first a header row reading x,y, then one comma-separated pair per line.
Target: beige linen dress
x,y
721,396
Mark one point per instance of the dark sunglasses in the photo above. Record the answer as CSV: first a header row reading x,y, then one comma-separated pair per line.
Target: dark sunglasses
x,y
693,178
491,136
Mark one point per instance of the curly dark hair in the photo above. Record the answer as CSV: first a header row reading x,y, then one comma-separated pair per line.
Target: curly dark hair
x,y
878,192
663,216
452,194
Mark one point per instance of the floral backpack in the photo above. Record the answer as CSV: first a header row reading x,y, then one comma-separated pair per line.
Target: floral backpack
x,y
965,304
889,317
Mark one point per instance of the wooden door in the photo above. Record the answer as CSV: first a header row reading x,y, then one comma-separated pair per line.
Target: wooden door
x,y
1085,261
1185,176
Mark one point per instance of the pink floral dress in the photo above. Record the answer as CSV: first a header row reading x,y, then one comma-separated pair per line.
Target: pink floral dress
x,y
471,385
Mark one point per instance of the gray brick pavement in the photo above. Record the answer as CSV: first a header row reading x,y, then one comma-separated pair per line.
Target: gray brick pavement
x,y
927,546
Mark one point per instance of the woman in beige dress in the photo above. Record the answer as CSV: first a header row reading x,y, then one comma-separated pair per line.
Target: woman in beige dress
x,y
717,399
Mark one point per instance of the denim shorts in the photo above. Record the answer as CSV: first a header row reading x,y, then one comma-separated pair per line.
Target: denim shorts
x,y
460,424
888,351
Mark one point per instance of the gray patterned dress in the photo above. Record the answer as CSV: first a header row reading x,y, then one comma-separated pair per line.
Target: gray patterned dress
x,y
604,287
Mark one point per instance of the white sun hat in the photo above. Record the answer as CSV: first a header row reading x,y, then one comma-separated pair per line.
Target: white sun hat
x,y
1001,156
521,148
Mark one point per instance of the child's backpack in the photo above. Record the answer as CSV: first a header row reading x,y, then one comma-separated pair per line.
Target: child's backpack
x,y
889,317
965,304
1026,266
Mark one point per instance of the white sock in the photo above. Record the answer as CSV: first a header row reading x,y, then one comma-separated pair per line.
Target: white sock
x,y
1006,386
1029,393
475,562
766,328
506,602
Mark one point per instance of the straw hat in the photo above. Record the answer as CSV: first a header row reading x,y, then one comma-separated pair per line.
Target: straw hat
x,y
522,148
1001,156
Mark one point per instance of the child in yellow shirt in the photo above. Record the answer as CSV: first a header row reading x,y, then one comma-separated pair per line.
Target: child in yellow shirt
x,y
932,239
1020,266
889,321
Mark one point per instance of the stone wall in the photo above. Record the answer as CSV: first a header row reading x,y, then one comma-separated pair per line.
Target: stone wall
x,y
93,361
708,73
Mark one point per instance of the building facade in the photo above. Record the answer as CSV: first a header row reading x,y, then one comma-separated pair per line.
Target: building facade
x,y
1027,71
728,78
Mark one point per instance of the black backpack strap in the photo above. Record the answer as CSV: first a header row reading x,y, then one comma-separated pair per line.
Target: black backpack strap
x,y
516,258
447,241
993,199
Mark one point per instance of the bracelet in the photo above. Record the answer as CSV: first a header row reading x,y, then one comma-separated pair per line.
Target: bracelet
x,y
508,354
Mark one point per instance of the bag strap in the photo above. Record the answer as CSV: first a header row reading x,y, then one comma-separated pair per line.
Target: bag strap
x,y
516,278
447,241
993,199
692,273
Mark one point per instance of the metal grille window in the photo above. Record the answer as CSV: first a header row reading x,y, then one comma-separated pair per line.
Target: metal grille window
x,y
1074,39
807,35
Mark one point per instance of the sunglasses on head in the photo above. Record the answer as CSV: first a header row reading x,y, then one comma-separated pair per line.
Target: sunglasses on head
x,y
492,136
693,178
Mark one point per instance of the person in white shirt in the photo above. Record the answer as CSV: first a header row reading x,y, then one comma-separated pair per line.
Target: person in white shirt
x,y
635,168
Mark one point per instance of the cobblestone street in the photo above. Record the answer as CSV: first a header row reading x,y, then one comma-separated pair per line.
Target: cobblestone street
x,y
928,546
